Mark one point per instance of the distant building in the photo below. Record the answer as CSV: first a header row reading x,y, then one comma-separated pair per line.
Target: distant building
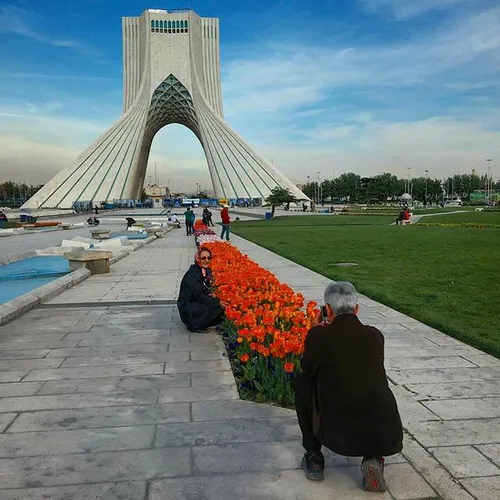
x,y
161,191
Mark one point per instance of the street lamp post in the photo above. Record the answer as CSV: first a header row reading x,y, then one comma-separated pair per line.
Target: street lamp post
x,y
317,199
489,182
426,177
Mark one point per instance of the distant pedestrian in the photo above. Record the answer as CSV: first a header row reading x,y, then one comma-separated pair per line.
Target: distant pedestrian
x,y
189,217
226,221
130,222
207,217
96,210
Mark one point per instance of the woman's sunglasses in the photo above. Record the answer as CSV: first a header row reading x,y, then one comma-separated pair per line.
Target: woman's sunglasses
x,y
205,258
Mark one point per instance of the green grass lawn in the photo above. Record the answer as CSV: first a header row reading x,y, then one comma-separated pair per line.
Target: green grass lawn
x,y
444,277
480,217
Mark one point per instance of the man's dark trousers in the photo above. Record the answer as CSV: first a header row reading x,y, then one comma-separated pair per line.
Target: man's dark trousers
x,y
304,394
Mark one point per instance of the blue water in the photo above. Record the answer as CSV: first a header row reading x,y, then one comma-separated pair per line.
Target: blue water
x,y
132,235
26,275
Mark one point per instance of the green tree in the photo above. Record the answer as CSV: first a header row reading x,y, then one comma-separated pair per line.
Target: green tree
x,y
348,186
279,196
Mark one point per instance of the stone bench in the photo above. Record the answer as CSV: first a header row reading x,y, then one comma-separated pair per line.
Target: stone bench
x,y
96,262
156,231
100,234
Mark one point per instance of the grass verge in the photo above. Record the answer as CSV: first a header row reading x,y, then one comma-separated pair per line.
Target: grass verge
x,y
444,277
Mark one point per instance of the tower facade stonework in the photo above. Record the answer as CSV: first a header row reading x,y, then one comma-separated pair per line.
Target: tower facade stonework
x,y
171,66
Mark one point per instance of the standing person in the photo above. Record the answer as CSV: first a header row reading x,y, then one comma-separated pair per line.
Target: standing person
x,y
210,222
343,400
198,308
224,216
96,210
189,216
207,217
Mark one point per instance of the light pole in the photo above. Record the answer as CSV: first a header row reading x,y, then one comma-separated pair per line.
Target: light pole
x,y
317,199
489,181
426,177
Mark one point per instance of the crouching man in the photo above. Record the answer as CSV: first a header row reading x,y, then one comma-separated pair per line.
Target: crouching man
x,y
343,400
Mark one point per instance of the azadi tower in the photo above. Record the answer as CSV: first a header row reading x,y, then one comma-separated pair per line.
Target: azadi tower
x,y
171,72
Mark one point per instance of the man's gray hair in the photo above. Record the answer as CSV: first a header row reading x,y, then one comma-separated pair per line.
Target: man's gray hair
x,y
342,297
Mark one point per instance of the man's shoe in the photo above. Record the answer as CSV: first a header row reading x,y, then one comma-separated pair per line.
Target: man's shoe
x,y
313,465
373,474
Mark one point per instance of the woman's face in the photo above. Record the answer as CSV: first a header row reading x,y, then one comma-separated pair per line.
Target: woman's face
x,y
205,258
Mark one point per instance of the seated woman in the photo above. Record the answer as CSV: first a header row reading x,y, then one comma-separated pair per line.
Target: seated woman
x,y
198,308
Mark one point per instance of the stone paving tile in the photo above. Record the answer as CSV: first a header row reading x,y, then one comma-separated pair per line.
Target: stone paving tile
x,y
29,364
406,484
131,350
228,410
207,354
31,444
39,344
457,390
492,451
431,376
483,488
454,409
86,418
133,490
220,433
456,432
153,357
95,372
52,470
19,389
482,359
24,354
84,400
114,384
12,376
423,351
465,461
201,393
284,485
6,419
212,378
430,362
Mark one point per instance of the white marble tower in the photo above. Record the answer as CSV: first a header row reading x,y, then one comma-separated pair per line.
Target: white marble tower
x,y
171,75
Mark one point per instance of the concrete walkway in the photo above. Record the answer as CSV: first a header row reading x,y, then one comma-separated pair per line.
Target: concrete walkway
x,y
101,398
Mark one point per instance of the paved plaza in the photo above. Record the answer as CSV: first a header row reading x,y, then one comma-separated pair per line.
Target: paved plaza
x,y
105,396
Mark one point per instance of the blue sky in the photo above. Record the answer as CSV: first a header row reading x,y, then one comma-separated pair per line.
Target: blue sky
x,y
366,85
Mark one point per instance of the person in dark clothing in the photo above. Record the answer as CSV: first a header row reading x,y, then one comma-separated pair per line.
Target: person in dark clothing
x,y
189,217
130,222
207,217
343,400
198,308
96,210
401,217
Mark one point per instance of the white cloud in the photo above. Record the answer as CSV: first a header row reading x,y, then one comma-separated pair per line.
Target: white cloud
x,y
442,145
17,21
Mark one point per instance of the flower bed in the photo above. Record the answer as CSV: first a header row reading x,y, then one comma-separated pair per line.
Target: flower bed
x,y
203,234
265,328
